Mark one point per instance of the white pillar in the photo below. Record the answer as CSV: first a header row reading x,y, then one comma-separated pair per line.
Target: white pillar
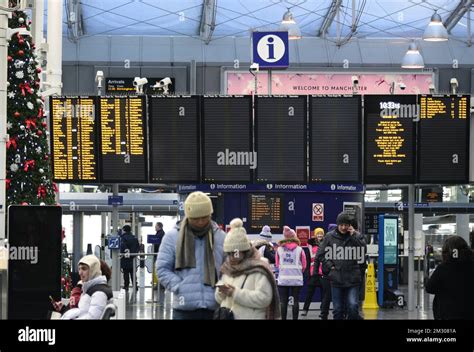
x,y
3,114
37,24
462,220
55,48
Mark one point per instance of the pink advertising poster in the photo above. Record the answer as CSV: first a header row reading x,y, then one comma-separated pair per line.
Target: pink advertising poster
x,y
294,83
239,83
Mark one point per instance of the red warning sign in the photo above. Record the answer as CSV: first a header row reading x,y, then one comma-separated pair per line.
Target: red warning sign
x,y
318,211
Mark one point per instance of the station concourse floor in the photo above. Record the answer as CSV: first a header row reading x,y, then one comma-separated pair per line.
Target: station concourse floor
x,y
144,309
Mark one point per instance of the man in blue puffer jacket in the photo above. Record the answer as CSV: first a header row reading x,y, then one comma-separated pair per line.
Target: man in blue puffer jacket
x,y
190,259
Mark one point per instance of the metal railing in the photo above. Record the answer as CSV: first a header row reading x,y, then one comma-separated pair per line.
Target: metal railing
x,y
142,256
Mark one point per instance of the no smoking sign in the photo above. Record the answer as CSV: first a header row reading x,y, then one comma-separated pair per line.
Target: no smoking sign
x,y
318,211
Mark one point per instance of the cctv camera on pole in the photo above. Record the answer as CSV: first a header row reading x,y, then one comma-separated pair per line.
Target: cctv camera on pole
x,y
138,83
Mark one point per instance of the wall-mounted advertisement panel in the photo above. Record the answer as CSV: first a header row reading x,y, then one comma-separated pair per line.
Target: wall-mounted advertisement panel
x,y
302,83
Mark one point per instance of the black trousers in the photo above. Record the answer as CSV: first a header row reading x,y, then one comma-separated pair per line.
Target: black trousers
x,y
325,286
289,295
127,276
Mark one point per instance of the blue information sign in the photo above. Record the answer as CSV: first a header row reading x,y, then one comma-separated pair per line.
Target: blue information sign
x,y
270,49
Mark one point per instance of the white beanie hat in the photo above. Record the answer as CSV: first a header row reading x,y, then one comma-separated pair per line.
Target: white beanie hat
x,y
94,265
236,239
197,205
266,233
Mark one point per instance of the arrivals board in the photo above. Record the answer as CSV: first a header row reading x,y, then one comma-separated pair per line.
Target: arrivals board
x,y
226,139
174,139
125,86
335,139
280,139
390,138
73,139
123,149
265,209
443,139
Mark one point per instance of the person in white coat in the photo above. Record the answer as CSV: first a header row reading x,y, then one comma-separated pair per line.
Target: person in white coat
x,y
247,286
95,291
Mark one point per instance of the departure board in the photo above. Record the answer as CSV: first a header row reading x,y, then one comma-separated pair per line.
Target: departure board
x,y
443,139
280,138
335,139
73,139
265,209
390,138
226,139
174,139
123,140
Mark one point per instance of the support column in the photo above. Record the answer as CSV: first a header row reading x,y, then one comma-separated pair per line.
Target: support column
x,y
115,252
55,48
411,248
3,115
462,220
77,238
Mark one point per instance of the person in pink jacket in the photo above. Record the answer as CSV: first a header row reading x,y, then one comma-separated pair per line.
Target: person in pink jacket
x,y
291,262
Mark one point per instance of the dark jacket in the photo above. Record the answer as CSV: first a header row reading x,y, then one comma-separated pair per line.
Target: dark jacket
x,y
339,254
453,287
160,234
268,252
130,242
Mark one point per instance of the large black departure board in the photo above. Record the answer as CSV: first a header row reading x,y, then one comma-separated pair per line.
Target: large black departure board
x,y
123,149
443,139
226,138
280,138
335,139
73,139
174,139
265,209
390,138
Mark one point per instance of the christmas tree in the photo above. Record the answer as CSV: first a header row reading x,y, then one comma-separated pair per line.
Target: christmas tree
x,y
65,274
28,163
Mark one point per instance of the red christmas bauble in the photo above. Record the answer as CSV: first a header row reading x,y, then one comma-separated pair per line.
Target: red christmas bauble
x,y
39,133
21,53
43,123
37,83
24,203
63,280
46,157
10,59
38,70
17,114
21,42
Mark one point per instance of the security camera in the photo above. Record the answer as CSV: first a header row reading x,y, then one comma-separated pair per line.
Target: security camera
x,y
432,88
454,85
355,80
163,85
254,68
99,77
138,83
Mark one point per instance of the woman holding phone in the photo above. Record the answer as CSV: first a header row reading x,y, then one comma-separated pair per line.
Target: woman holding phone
x,y
95,291
247,286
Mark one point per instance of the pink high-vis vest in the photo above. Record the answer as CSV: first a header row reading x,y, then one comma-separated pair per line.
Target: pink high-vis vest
x,y
291,268
314,250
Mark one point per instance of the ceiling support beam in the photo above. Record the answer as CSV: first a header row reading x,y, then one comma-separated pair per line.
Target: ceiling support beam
x,y
208,20
333,9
